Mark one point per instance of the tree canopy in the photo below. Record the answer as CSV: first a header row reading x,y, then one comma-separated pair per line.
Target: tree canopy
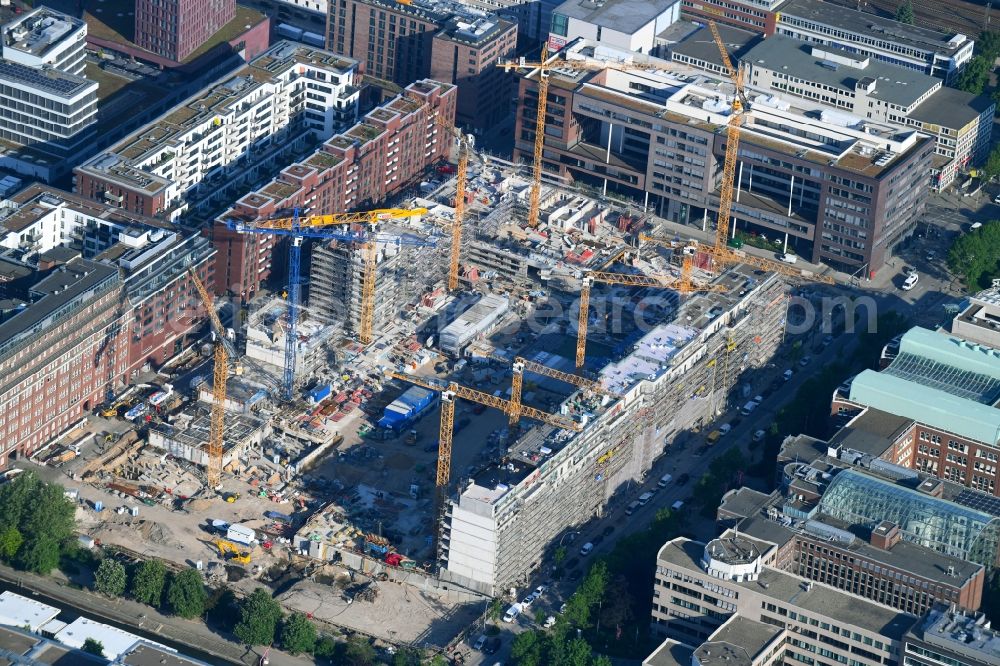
x,y
36,522
298,634
259,618
186,594
148,582
110,578
93,646
904,13
976,255
976,75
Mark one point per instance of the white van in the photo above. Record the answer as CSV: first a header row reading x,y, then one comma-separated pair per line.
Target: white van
x,y
789,258
644,498
630,509
678,505
664,480
587,548
911,281
512,613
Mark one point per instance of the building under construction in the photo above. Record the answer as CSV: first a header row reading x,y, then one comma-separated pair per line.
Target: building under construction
x,y
677,378
402,273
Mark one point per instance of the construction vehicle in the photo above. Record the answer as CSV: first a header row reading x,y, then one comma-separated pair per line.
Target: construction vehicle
x,y
231,497
452,391
231,552
542,66
316,226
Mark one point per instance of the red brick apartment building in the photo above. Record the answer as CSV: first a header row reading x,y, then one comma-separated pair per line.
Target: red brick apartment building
x,y
387,151
173,29
407,41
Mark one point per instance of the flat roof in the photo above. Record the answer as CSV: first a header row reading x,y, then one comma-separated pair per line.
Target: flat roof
x,y
863,23
951,107
670,653
793,57
49,80
872,432
147,654
18,611
625,16
43,29
115,641
788,589
700,45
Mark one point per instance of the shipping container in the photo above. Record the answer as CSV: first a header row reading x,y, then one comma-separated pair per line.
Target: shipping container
x,y
241,534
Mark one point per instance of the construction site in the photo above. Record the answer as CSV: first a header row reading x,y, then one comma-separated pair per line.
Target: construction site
x,y
430,397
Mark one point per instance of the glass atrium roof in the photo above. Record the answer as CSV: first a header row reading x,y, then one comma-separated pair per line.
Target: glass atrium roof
x,y
963,383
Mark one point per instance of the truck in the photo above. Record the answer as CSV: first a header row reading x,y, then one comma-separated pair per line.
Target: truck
x,y
241,534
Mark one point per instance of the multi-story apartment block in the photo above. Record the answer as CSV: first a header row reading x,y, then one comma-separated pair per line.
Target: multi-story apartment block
x,y
211,147
757,15
60,345
914,47
505,518
443,40
858,88
699,587
386,151
838,194
632,26
158,307
44,37
883,567
174,29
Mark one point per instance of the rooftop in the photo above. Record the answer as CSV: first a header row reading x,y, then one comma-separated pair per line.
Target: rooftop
x,y
625,16
952,108
48,80
146,654
872,432
736,643
700,45
38,31
115,641
670,653
789,590
19,611
961,633
474,30
863,23
810,62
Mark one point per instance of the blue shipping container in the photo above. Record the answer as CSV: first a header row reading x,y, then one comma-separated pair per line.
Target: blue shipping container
x,y
409,407
320,392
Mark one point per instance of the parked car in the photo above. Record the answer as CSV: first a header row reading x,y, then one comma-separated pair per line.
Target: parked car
x,y
724,429
480,642
759,436
586,548
683,478
806,360
541,589
492,645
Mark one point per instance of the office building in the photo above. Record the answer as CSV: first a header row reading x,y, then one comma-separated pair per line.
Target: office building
x,y
699,587
876,564
159,308
837,194
438,39
48,116
950,636
856,88
175,29
385,152
979,322
759,16
44,37
218,143
505,518
630,25
910,46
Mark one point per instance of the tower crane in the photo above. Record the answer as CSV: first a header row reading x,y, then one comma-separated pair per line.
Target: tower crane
x,y
521,365
449,393
315,226
224,352
543,66
720,250
464,150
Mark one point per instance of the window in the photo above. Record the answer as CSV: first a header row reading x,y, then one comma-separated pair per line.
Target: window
x,y
560,25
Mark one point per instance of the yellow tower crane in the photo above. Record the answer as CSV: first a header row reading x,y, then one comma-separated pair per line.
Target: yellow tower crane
x,y
721,251
451,391
464,150
543,66
521,365
219,378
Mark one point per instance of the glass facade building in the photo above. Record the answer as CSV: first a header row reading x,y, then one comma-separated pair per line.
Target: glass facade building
x,y
946,527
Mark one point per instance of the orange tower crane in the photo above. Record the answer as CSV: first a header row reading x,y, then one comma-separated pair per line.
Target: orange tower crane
x,y
464,150
521,365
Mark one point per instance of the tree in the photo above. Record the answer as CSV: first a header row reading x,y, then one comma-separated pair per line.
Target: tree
x,y
298,634
325,648
976,74
559,555
148,582
988,45
406,657
110,578
495,610
359,652
41,515
904,13
93,646
527,648
976,255
259,617
186,594
616,610
10,543
991,169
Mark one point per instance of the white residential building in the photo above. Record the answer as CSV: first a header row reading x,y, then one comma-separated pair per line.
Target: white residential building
x,y
213,140
46,37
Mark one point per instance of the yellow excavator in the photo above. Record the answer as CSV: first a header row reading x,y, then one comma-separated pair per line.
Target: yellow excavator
x,y
230,551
